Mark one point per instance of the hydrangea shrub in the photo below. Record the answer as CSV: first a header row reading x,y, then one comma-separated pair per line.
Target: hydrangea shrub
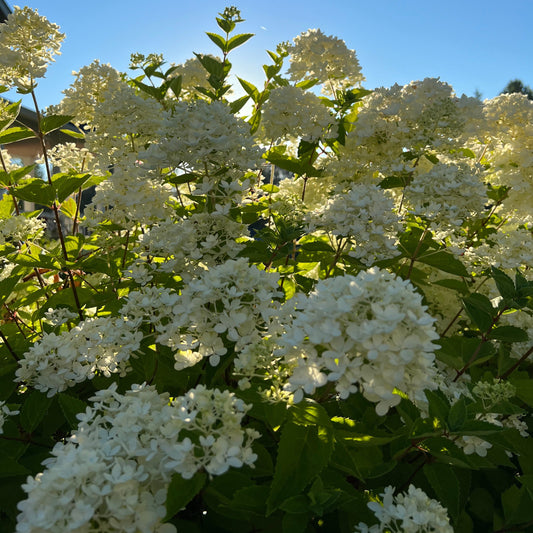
x,y
208,348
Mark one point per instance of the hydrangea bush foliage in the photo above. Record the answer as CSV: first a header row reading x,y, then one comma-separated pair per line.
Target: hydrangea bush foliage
x,y
208,348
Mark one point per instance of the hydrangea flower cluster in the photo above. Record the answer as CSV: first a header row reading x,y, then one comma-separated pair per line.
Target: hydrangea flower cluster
x,y
198,136
112,474
292,113
130,197
20,228
193,244
368,332
28,43
409,512
232,302
71,158
315,56
87,90
193,74
366,216
447,194
95,346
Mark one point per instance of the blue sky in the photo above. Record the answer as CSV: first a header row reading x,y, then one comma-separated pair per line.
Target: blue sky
x,y
471,44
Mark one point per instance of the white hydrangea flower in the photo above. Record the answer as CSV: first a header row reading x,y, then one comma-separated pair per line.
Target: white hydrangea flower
x,y
203,137
59,315
5,411
130,197
472,444
71,158
366,216
368,332
28,43
232,302
492,393
193,74
193,244
292,113
447,194
113,473
96,345
20,228
87,90
325,58
409,512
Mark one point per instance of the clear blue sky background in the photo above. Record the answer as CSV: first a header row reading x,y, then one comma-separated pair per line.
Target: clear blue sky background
x,y
471,44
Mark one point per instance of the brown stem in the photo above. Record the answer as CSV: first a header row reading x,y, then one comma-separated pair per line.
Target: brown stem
x,y
508,372
413,258
9,348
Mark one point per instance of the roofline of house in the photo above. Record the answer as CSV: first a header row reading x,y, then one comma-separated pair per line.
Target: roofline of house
x,y
5,10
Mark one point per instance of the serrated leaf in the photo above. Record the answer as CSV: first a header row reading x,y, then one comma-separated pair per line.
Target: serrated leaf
x,y
33,410
444,261
66,184
9,114
72,133
438,405
309,413
71,406
54,122
15,134
218,40
237,40
35,190
303,453
181,491
479,309
306,84
444,482
250,89
504,283
69,208
238,104
458,415
508,334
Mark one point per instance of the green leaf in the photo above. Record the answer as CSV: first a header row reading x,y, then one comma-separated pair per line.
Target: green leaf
x,y
306,84
13,177
35,190
8,284
218,40
33,410
524,390
309,413
54,122
17,133
69,208
154,92
393,182
479,309
517,506
9,114
438,405
250,89
444,261
72,133
238,104
444,482
458,415
508,334
237,40
66,184
504,283
181,491
71,406
302,454
9,467
175,85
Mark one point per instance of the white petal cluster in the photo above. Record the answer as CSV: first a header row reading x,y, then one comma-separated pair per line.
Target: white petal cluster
x,y
125,122
447,194
95,346
509,143
20,228
193,244
204,137
292,113
232,302
113,473
130,197
368,332
325,58
409,512
5,411
28,43
365,215
87,90
71,158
